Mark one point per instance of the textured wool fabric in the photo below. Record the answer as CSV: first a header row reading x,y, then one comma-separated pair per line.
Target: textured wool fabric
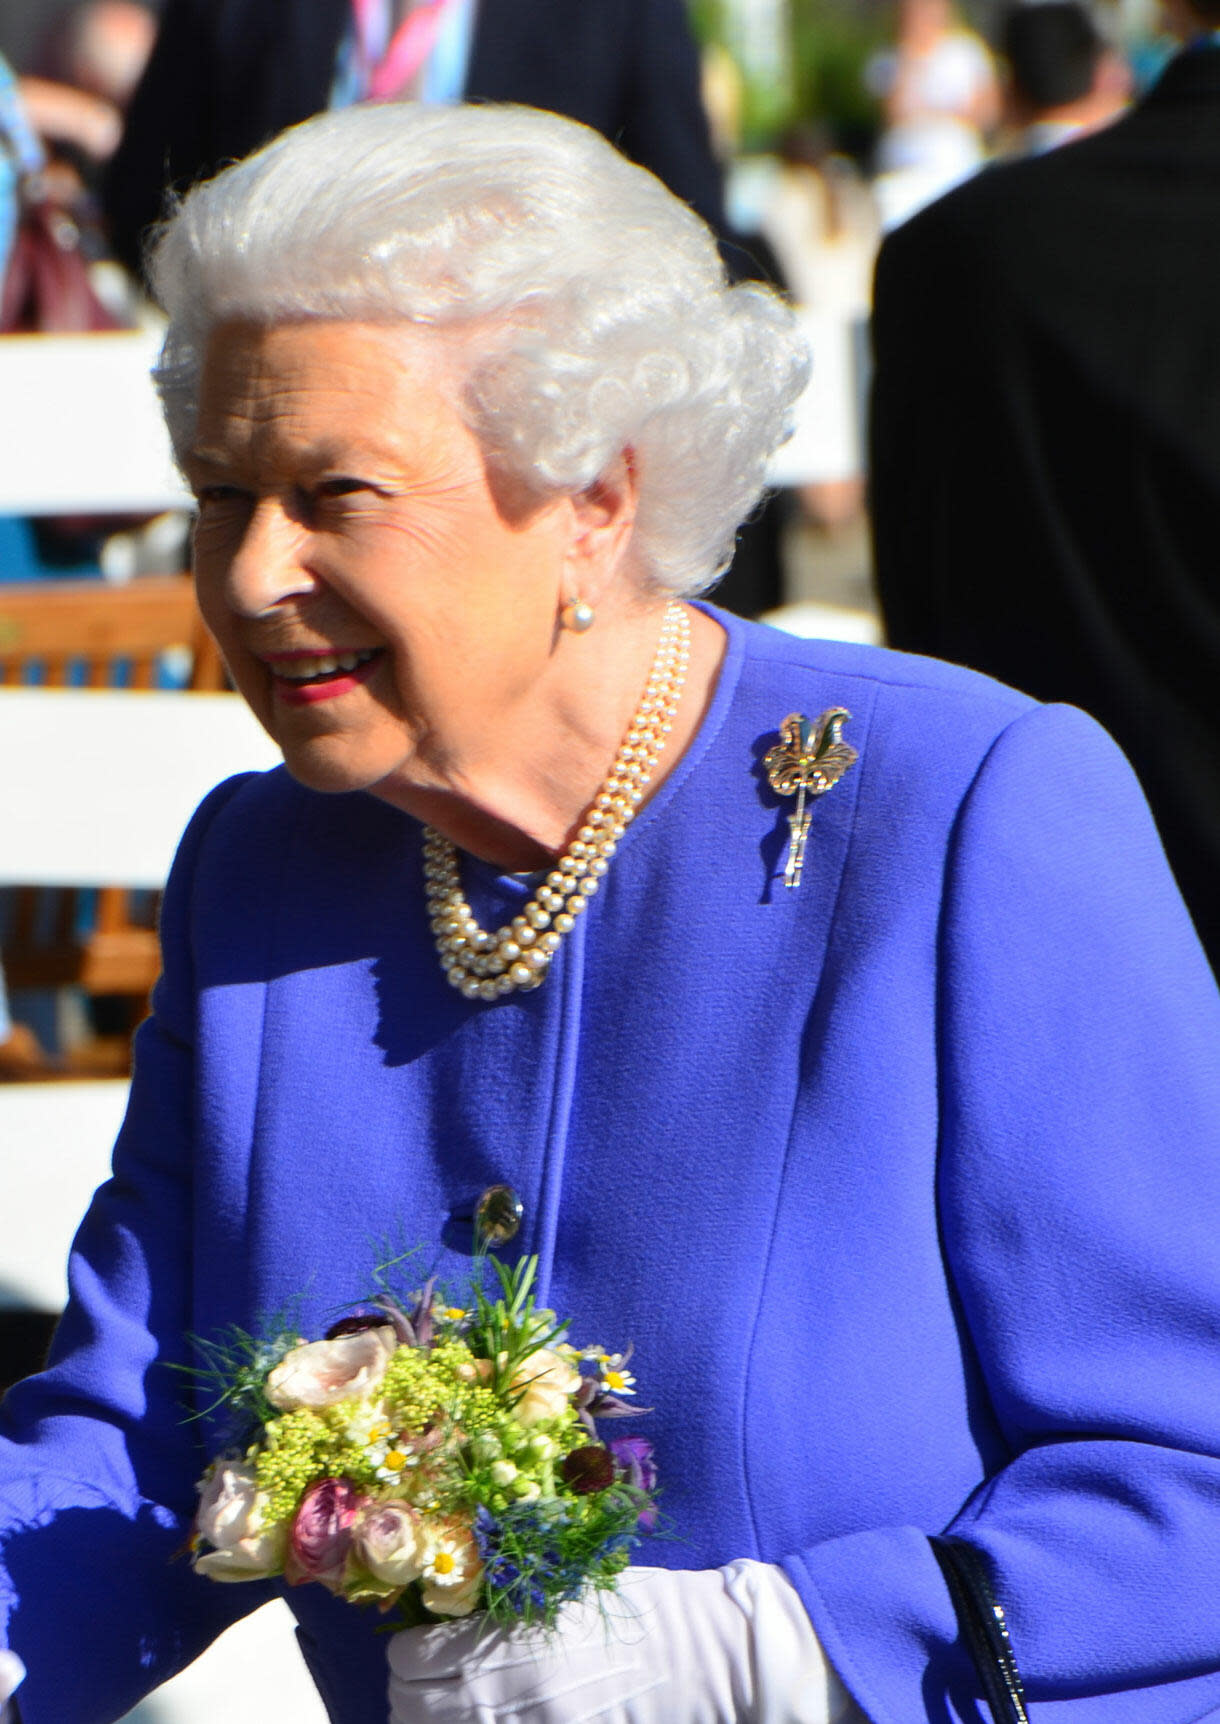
x,y
905,1185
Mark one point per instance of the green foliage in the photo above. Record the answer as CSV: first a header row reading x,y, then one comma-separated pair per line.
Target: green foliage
x,y
829,43
234,1368
508,1330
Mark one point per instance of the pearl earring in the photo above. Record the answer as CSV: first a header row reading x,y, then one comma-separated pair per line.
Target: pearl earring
x,y
578,616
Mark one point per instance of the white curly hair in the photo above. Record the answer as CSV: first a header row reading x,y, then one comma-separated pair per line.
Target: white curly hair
x,y
602,317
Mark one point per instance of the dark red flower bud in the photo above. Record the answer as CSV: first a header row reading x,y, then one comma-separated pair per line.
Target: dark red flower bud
x,y
588,1469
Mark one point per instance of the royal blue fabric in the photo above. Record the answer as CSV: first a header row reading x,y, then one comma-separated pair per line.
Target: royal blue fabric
x,y
905,1185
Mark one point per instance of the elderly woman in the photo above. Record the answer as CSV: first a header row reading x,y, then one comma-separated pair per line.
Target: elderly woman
x,y
885,1126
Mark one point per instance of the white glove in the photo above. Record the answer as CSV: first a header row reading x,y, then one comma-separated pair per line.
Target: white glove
x,y
12,1674
705,1646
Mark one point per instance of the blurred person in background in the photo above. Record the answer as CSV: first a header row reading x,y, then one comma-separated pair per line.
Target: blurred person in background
x,y
820,219
225,78
1045,441
1063,77
84,76
940,98
21,157
818,215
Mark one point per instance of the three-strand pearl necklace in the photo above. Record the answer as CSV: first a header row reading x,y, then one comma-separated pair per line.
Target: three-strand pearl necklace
x,y
484,965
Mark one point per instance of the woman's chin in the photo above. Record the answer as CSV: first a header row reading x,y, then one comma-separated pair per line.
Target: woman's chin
x,y
328,766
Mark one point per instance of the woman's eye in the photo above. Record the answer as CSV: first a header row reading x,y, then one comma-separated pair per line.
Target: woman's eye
x,y
209,496
340,487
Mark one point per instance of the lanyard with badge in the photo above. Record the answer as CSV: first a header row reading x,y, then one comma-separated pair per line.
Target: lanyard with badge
x,y
388,67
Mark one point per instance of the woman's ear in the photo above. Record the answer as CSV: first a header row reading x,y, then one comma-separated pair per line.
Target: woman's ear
x,y
603,520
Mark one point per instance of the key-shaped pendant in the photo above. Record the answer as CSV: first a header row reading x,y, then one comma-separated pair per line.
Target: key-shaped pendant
x,y
809,760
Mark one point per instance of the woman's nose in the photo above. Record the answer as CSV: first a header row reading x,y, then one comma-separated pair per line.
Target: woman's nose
x,y
271,561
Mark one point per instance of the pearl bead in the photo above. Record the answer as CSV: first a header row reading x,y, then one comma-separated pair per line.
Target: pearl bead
x,y
510,951
550,942
589,887
564,923
521,974
575,904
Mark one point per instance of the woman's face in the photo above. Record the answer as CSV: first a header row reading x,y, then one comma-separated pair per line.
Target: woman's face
x,y
381,601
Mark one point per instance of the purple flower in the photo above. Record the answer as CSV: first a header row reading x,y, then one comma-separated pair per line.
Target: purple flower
x,y
321,1533
634,1459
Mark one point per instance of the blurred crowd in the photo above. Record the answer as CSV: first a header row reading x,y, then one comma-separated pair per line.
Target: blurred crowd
x,y
116,100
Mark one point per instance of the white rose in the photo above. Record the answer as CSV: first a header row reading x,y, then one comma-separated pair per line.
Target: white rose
x,y
389,1543
322,1373
230,1517
547,1383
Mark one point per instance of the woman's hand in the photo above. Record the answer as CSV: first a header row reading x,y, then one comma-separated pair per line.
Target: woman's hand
x,y
708,1646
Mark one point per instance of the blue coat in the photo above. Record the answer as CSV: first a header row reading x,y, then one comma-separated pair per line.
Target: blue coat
x,y
905,1185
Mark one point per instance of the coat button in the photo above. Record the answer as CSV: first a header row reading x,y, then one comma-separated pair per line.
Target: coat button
x,y
497,1216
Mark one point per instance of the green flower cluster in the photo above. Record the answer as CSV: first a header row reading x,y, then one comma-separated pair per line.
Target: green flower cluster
x,y
445,1384
508,1463
296,1449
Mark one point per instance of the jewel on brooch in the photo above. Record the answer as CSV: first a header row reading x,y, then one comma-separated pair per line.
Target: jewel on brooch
x,y
809,760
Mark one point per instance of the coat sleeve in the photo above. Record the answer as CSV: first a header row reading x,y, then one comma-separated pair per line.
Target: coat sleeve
x,y
1079,1205
98,1461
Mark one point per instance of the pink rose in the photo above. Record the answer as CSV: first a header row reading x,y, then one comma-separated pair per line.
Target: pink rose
x,y
321,1373
230,1517
389,1544
321,1534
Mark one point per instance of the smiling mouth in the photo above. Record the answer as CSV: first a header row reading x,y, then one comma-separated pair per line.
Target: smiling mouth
x,y
306,670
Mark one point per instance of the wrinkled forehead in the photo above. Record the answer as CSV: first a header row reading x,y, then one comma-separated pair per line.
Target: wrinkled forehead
x,y
318,389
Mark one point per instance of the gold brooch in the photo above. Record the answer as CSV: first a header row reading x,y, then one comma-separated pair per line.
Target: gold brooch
x,y
808,761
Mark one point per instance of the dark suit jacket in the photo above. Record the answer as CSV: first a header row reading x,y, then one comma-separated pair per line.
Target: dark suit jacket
x,y
226,75
1046,443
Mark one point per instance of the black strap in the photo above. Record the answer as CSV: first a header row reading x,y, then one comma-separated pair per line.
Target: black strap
x,y
984,1629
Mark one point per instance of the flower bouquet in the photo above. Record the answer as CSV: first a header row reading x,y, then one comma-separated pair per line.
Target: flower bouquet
x,y
428,1458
